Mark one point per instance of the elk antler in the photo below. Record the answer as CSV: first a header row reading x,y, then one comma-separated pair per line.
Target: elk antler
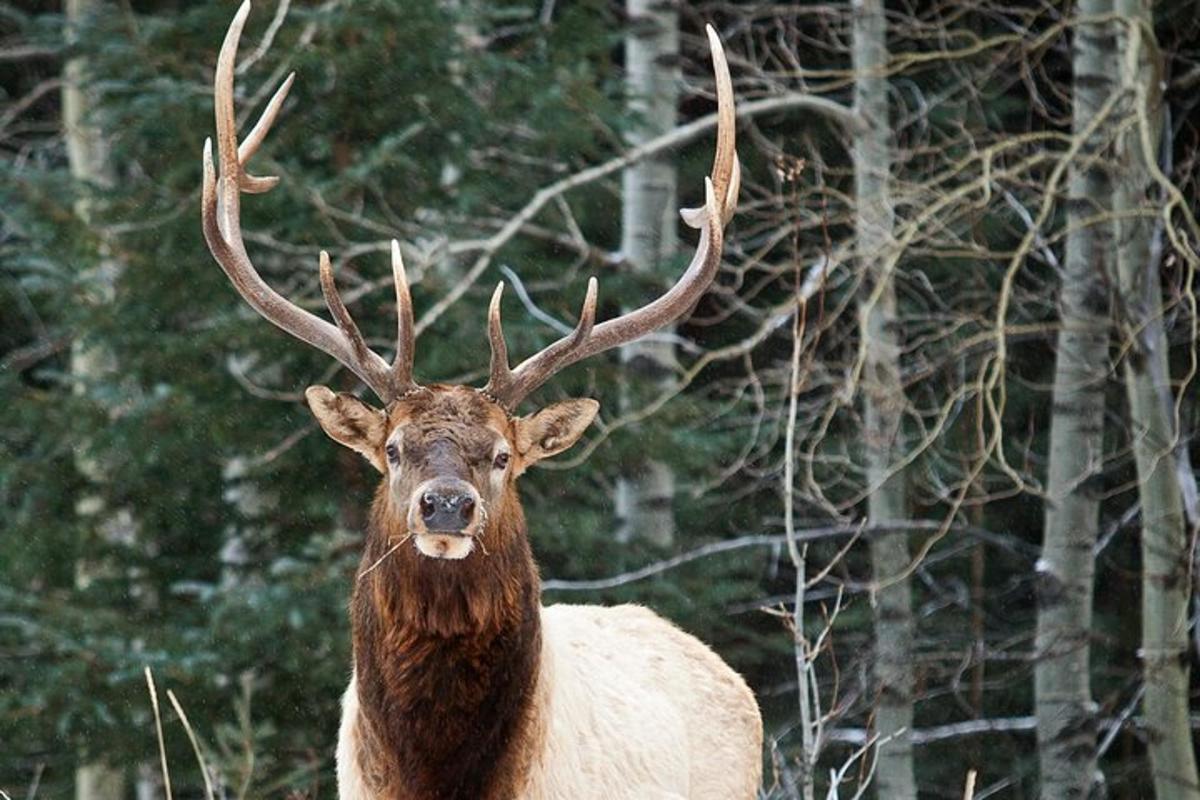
x,y
510,386
221,213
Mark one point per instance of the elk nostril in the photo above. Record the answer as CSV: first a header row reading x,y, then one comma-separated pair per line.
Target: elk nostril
x,y
428,505
466,506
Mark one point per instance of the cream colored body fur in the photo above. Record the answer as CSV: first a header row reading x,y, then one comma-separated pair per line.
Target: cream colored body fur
x,y
632,708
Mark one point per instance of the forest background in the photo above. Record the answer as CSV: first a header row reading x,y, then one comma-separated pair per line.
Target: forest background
x,y
941,399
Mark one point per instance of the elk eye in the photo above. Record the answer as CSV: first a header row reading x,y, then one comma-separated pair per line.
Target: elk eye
x,y
501,461
393,452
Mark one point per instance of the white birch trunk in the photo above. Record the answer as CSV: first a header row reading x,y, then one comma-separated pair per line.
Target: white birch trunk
x,y
99,781
1066,713
644,498
91,168
884,402
1165,549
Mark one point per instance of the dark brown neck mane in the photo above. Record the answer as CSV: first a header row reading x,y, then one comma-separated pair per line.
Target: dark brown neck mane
x,y
446,655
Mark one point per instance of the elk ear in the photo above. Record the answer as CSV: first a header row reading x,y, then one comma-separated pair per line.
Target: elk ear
x,y
350,421
554,428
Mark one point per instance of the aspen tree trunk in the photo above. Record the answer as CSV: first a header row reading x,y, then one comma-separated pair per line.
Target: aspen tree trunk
x,y
644,498
883,396
91,169
1066,713
1165,550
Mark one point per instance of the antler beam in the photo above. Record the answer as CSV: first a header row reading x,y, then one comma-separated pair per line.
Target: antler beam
x,y
221,216
509,386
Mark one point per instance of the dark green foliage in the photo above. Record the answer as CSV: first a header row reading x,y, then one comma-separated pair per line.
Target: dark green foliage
x,y
399,127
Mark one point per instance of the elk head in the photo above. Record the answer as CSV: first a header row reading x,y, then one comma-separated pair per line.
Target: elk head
x,y
450,454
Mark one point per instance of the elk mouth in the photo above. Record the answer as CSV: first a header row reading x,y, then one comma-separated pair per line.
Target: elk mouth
x,y
449,546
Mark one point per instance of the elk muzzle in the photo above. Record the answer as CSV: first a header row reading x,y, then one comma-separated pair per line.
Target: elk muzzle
x,y
444,517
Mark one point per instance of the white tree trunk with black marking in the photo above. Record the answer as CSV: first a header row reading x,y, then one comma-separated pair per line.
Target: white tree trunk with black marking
x,y
883,405
1165,547
649,215
1066,713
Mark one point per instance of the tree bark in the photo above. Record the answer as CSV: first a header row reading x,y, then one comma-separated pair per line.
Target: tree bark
x,y
99,781
645,496
1066,713
1165,555
91,169
883,395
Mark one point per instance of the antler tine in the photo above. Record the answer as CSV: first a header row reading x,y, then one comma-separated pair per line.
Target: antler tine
x,y
500,376
726,171
402,364
720,202
341,314
231,168
587,315
254,139
221,219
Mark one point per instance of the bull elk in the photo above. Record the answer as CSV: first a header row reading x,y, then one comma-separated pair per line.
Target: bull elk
x,y
464,687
